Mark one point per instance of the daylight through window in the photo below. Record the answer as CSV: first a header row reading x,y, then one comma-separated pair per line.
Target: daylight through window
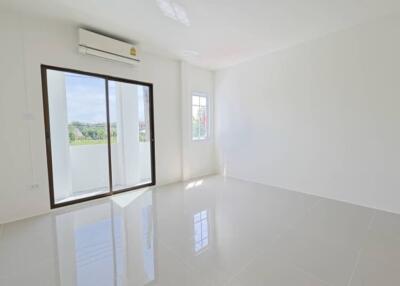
x,y
199,116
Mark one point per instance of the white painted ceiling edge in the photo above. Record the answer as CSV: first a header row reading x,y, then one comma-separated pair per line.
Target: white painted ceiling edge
x,y
212,34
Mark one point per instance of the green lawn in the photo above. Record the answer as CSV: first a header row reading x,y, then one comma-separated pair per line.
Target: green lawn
x,y
79,142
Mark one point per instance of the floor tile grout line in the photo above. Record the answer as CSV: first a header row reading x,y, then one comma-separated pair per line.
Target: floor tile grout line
x,y
355,267
359,253
241,270
181,259
229,281
307,212
250,261
311,275
373,214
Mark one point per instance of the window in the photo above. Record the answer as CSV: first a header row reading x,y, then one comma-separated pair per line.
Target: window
x,y
199,116
99,134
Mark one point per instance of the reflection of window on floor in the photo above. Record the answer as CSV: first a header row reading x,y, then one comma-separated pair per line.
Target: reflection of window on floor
x,y
200,230
93,253
148,250
119,247
94,247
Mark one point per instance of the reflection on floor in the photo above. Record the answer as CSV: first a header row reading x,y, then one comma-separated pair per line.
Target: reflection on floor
x,y
213,231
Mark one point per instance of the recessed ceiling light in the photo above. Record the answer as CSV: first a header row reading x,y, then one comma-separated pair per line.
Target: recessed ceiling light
x,y
174,11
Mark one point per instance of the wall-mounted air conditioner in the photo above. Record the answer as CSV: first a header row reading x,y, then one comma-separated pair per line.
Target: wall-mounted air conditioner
x,y
91,43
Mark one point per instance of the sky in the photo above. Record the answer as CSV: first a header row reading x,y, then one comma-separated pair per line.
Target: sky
x,y
86,100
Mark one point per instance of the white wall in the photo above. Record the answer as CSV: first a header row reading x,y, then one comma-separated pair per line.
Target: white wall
x,y
198,157
322,117
28,42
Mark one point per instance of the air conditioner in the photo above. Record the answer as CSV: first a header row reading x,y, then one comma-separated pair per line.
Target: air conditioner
x,y
94,44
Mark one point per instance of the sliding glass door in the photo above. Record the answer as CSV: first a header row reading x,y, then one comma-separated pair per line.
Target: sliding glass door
x,y
130,120
99,134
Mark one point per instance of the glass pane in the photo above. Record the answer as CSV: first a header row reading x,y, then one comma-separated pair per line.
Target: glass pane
x,y
195,122
203,101
78,120
195,100
203,122
130,125
199,117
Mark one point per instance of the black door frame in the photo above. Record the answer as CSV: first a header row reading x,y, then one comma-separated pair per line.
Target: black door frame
x,y
107,78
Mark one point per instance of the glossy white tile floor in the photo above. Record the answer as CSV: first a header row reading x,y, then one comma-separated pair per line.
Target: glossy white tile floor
x,y
213,231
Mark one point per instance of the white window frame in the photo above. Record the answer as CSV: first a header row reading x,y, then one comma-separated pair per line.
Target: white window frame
x,y
205,95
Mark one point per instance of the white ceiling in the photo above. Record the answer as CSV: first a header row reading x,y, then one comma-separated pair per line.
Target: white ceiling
x,y
222,32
